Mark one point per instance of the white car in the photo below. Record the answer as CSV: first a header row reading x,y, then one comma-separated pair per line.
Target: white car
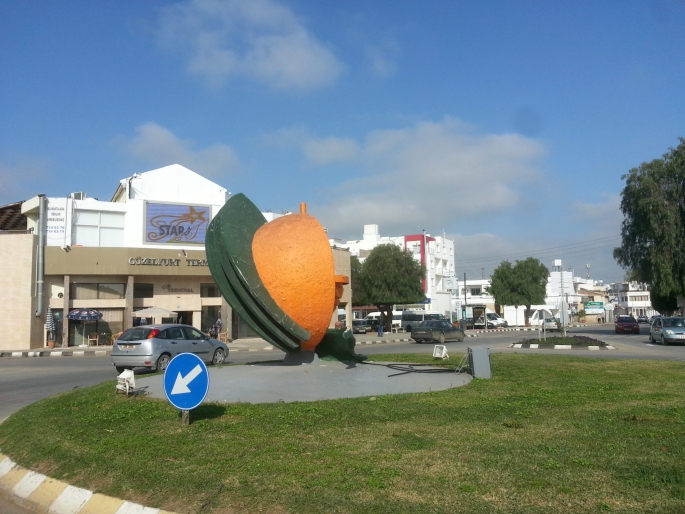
x,y
550,324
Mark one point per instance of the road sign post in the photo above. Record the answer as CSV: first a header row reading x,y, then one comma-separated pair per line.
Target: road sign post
x,y
186,383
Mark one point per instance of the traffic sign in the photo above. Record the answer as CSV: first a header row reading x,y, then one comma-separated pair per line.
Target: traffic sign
x,y
186,381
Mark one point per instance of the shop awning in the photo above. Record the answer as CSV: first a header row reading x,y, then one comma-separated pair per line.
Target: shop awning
x,y
154,312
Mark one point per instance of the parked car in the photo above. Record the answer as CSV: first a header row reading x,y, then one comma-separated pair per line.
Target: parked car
x,y
667,330
550,325
153,346
642,319
437,330
360,326
626,324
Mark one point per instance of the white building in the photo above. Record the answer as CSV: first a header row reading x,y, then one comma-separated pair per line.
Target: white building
x,y
565,295
436,253
632,298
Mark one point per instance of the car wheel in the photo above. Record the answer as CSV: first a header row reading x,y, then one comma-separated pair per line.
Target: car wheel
x,y
460,337
441,338
219,357
120,369
418,341
651,339
663,341
616,331
162,363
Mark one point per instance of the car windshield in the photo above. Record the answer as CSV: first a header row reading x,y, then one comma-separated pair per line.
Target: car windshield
x,y
359,322
136,334
674,322
626,319
549,320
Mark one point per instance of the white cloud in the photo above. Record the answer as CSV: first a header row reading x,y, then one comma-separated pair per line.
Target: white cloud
x,y
432,172
158,146
602,218
259,39
331,149
317,152
382,58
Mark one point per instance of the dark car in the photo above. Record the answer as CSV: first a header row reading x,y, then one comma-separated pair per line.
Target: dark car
x,y
642,319
626,324
437,330
667,330
153,346
360,326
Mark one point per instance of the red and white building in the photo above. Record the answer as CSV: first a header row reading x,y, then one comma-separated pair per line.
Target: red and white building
x,y
436,253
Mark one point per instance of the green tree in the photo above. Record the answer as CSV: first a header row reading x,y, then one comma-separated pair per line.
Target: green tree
x,y
531,276
653,229
664,304
521,284
503,286
391,275
359,295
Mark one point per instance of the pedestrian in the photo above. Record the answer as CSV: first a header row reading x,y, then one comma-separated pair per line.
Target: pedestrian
x,y
218,324
380,326
213,332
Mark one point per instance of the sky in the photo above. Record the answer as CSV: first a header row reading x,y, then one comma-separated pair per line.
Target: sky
x,y
506,126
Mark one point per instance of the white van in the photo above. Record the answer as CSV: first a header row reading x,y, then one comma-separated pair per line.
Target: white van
x,y
496,320
412,318
376,316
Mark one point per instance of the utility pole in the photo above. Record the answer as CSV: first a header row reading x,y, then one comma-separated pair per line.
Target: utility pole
x,y
563,304
464,309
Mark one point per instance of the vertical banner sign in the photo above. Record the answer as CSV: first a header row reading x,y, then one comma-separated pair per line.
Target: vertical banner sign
x,y
176,224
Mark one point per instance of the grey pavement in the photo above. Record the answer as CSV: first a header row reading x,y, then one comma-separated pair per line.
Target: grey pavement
x,y
319,380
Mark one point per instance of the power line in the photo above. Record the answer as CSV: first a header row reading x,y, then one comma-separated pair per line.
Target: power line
x,y
473,267
572,248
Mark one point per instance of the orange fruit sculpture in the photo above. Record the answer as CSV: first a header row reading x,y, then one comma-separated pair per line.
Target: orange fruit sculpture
x,y
295,262
279,277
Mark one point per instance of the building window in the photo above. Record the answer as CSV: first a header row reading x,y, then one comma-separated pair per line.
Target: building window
x,y
475,290
95,228
143,290
97,291
209,291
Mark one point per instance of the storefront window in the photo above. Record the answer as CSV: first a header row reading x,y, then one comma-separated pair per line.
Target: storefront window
x,y
210,313
242,329
143,290
110,291
97,291
84,291
209,291
111,323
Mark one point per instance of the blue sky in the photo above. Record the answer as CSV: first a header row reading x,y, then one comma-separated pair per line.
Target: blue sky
x,y
505,125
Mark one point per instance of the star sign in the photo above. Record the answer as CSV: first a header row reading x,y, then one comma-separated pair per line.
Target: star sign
x,y
194,215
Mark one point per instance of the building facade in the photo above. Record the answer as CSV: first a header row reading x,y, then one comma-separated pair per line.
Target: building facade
x,y
632,298
436,253
144,248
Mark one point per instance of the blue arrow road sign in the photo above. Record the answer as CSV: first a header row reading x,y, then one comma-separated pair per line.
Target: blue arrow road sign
x,y
186,381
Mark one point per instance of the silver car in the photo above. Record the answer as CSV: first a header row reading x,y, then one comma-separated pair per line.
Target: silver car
x,y
667,330
153,347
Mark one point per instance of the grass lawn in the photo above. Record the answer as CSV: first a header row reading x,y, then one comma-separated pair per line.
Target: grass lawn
x,y
548,433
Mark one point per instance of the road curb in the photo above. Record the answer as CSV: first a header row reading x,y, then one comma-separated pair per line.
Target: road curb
x,y
44,495
535,346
